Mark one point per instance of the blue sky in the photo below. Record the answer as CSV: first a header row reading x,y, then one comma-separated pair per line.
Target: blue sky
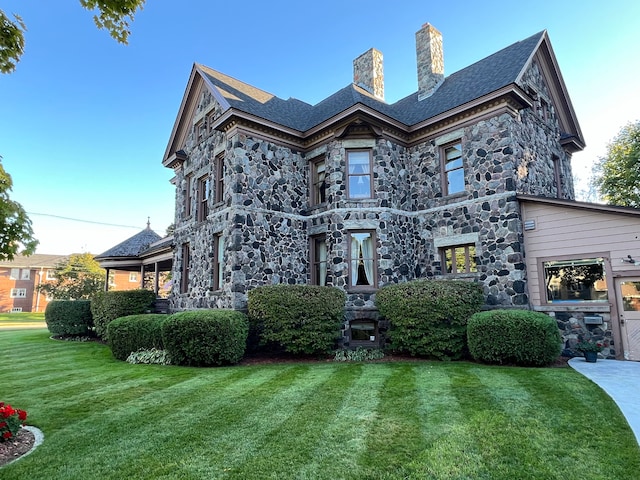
x,y
84,121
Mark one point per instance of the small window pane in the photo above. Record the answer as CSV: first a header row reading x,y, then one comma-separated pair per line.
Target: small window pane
x,y
630,296
455,181
359,187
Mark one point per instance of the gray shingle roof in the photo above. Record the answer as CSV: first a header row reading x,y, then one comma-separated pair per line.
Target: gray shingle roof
x,y
483,77
132,246
37,260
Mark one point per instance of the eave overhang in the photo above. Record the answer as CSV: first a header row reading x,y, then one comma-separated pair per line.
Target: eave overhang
x,y
509,99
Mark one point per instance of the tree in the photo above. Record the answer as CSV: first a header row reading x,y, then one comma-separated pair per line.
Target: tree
x,y
16,233
114,16
78,277
617,176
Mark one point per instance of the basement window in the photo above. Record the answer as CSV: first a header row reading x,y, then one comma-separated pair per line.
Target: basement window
x,y
363,332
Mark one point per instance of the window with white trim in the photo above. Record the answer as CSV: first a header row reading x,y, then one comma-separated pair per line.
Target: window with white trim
x,y
18,293
133,277
50,275
16,310
25,274
14,274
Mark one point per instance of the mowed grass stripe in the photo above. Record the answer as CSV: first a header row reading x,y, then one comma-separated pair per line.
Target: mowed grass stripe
x,y
344,439
396,437
294,441
226,447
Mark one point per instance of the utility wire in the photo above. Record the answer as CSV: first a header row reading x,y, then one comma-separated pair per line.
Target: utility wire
x,y
81,220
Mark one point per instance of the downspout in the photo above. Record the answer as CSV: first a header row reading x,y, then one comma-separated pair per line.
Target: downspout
x,y
38,290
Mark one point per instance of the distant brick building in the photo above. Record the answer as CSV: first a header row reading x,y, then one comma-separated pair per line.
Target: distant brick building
x,y
19,281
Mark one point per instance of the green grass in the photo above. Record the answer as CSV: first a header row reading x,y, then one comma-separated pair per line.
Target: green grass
x,y
106,419
25,317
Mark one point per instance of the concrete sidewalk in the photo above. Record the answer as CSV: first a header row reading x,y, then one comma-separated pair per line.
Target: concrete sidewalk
x,y
621,381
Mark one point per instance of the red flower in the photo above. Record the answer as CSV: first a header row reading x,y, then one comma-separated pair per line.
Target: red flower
x,y
7,435
22,415
3,424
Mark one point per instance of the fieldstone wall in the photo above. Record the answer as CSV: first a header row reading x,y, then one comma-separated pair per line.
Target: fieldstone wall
x,y
574,329
266,218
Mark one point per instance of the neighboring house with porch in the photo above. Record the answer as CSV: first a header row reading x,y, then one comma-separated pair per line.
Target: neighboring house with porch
x,y
141,261
463,178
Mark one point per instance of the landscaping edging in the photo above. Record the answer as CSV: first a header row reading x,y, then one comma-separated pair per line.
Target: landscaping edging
x,y
38,438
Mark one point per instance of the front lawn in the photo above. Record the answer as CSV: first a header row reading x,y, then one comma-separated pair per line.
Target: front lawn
x,y
105,419
21,317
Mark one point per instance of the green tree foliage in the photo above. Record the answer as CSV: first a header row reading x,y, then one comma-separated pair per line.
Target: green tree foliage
x,y
617,176
78,277
16,233
112,15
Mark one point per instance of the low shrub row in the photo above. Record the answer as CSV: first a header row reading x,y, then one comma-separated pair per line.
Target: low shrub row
x,y
198,338
107,306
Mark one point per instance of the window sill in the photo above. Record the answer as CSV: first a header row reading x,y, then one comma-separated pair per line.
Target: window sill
x,y
366,290
574,307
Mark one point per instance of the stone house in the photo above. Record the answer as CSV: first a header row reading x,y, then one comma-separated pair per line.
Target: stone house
x,y
358,193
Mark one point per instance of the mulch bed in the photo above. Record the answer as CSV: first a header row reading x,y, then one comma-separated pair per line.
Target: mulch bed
x,y
16,447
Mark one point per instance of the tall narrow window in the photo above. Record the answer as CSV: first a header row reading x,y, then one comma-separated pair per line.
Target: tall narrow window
x,y
15,274
318,181
186,261
452,168
319,260
187,195
25,274
556,175
203,198
362,259
219,182
217,266
360,182
459,259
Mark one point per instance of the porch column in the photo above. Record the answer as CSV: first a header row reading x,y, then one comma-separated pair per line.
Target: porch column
x,y
156,286
106,281
142,277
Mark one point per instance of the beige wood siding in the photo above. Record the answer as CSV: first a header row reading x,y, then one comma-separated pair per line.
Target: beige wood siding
x,y
563,231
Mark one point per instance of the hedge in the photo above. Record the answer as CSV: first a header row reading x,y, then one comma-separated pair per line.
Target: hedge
x,y
519,337
299,319
107,306
69,317
205,337
135,332
428,318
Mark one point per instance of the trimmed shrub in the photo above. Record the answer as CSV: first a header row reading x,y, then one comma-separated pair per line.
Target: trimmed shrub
x,y
299,319
428,318
69,317
135,332
107,306
205,337
519,337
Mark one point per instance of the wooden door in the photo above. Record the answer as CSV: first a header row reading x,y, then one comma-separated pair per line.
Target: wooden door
x,y
628,297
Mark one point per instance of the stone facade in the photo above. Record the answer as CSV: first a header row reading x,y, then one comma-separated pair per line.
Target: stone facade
x,y
267,218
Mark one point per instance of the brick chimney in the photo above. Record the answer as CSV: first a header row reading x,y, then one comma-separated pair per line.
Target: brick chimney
x,y
430,60
368,73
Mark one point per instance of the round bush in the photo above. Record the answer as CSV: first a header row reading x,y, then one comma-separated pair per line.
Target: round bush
x,y
428,318
297,318
519,337
135,332
205,337
69,317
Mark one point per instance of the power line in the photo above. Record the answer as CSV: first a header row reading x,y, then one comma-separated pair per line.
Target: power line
x,y
81,220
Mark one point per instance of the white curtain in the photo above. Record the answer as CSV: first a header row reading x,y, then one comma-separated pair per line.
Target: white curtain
x,y
220,254
355,255
322,260
367,255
